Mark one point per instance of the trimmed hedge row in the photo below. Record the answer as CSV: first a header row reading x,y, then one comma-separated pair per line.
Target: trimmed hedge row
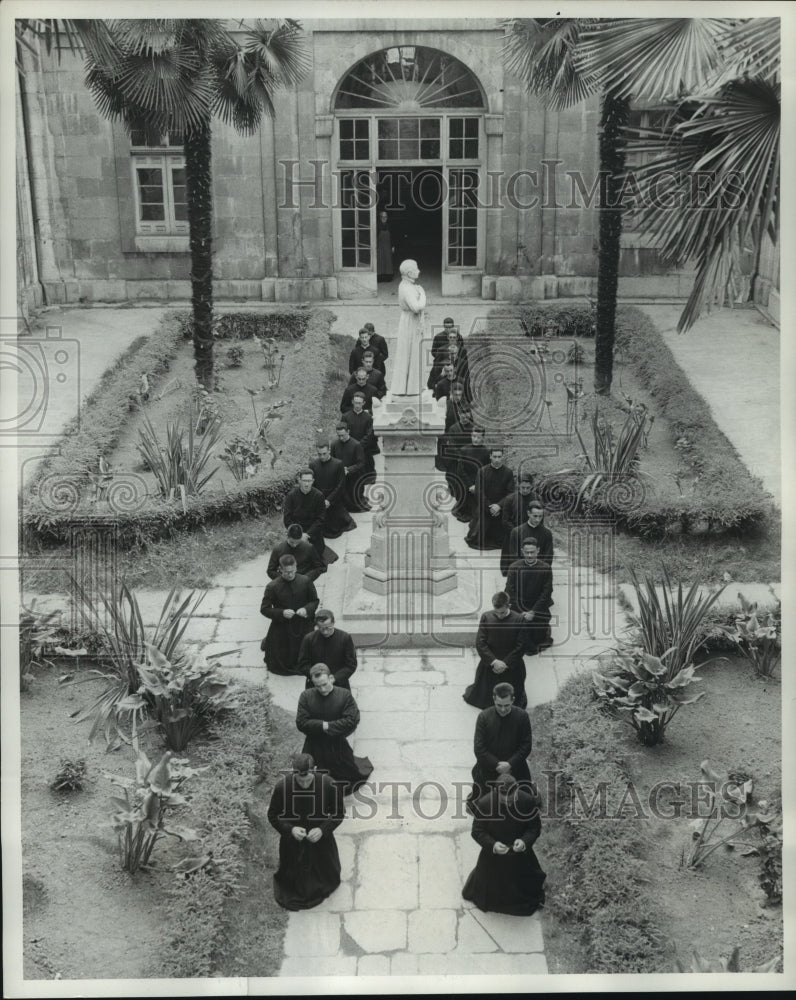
x,y
600,884
199,904
104,414
727,497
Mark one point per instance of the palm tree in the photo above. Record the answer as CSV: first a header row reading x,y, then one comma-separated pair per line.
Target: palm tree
x,y
566,60
175,76
729,133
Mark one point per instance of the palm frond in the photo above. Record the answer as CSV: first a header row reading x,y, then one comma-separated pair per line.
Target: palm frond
x,y
91,38
542,53
652,59
752,47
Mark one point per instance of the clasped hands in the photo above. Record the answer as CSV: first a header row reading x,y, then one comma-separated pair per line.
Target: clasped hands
x,y
313,836
289,613
500,848
499,666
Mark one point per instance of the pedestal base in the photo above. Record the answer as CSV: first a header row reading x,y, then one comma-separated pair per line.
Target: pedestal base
x,y
413,618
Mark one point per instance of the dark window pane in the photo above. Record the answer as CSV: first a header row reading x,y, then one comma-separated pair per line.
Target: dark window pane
x,y
346,128
349,258
361,128
455,149
363,217
408,149
471,148
152,213
470,217
364,258
456,127
408,128
362,149
346,149
469,257
348,218
471,127
388,128
429,128
429,149
388,150
175,139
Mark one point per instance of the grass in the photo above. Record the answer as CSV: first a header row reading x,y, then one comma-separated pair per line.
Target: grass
x,y
599,916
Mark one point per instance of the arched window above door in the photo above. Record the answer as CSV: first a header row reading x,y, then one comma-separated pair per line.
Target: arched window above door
x,y
409,78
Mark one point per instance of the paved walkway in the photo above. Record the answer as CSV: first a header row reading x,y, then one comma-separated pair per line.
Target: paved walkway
x,y
732,359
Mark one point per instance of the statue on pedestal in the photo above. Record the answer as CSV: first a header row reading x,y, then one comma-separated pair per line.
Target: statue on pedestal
x,y
407,376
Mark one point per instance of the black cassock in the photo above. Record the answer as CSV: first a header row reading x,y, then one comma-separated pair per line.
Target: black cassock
x,y
512,548
308,510
283,639
308,562
530,588
330,480
471,457
378,343
491,486
368,390
497,738
360,427
351,454
355,358
498,639
307,872
506,883
337,651
330,748
375,379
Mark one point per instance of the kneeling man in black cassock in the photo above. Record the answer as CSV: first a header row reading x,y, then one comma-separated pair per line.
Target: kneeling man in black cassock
x,y
306,807
308,562
290,601
329,645
507,877
502,742
326,715
529,585
499,643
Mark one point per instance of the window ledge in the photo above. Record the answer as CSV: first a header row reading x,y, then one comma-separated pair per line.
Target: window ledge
x,y
161,244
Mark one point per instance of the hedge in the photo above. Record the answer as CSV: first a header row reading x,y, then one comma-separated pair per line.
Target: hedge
x,y
728,497
599,885
104,414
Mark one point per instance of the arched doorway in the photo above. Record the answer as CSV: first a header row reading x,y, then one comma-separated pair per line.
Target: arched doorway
x,y
409,140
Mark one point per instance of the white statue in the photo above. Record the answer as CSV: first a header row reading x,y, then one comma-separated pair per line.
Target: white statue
x,y
407,376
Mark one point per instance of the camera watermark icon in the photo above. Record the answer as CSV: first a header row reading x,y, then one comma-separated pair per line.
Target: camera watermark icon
x,y
45,374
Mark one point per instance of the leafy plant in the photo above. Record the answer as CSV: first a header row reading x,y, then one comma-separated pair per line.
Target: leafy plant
x,y
182,695
235,356
756,633
673,621
37,633
241,456
179,466
273,360
637,684
139,816
611,458
118,621
71,776
575,354
727,800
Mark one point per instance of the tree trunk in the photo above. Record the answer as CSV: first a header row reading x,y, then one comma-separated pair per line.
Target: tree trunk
x,y
199,193
615,114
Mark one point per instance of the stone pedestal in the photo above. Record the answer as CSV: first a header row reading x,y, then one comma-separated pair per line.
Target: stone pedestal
x,y
409,551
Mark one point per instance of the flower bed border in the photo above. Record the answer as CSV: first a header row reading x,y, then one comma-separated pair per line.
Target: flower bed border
x,y
103,415
729,498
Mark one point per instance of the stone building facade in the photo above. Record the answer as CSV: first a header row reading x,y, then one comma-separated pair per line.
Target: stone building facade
x,y
418,117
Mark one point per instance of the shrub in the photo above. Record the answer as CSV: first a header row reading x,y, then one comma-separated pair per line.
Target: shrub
x,y
234,356
241,456
124,643
757,636
139,816
731,964
179,466
182,696
70,777
635,685
37,636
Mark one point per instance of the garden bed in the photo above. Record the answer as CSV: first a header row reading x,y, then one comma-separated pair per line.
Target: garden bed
x,y
85,918
620,897
689,478
64,494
